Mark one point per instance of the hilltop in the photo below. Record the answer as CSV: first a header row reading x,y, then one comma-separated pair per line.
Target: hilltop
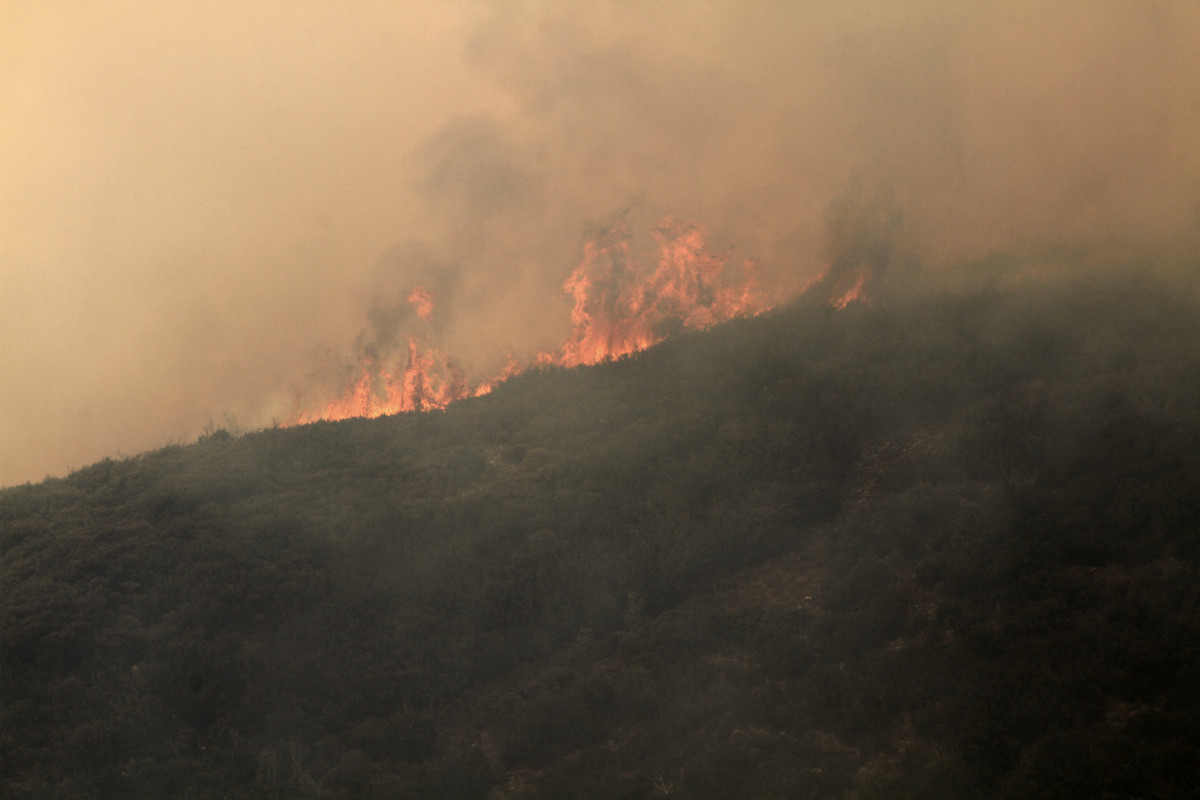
x,y
942,546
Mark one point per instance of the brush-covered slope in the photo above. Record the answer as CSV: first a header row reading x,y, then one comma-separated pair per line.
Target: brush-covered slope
x,y
942,547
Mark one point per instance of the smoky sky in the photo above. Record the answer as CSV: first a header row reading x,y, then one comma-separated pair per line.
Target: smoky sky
x,y
207,208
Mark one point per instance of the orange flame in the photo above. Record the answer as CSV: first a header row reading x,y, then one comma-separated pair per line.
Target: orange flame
x,y
853,294
422,300
429,379
617,312
617,309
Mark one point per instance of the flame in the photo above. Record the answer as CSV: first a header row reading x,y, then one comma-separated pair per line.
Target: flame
x,y
840,285
512,367
618,308
853,294
617,312
422,300
429,379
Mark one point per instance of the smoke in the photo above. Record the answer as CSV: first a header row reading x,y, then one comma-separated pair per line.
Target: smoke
x,y
206,209
864,234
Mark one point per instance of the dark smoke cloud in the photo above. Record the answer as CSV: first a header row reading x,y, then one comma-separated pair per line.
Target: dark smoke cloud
x,y
208,208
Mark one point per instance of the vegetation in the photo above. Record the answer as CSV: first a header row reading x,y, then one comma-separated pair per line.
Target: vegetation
x,y
946,546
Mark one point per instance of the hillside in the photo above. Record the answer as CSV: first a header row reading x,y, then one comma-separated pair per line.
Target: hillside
x,y
944,546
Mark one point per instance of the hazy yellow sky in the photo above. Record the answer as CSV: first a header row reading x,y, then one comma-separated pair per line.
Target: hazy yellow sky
x,y
191,195
200,202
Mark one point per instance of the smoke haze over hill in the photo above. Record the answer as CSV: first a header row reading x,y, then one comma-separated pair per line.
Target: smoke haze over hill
x,y
204,207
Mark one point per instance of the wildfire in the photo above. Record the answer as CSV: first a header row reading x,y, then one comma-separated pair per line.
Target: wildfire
x,y
853,294
619,308
428,380
618,311
422,300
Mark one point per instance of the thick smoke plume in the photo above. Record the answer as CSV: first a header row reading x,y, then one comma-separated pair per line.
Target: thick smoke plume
x,y
209,210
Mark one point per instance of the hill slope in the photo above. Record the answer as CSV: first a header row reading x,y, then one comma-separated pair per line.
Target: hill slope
x,y
942,547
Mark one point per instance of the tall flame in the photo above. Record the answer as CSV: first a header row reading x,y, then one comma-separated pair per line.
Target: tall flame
x,y
617,311
618,308
428,379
